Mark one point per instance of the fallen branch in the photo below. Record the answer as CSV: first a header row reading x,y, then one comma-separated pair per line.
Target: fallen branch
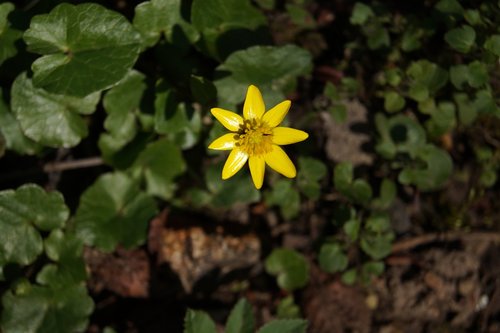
x,y
70,165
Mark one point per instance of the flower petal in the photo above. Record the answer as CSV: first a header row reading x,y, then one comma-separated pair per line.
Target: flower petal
x,y
228,119
257,169
225,142
254,104
287,135
235,161
278,160
274,116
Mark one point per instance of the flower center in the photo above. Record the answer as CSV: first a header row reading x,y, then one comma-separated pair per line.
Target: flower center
x,y
254,137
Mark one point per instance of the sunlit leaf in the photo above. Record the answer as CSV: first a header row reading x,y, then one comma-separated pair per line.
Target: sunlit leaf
x,y
22,212
85,48
49,119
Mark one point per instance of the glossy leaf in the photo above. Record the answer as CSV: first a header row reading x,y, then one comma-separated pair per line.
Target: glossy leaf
x,y
85,48
290,267
114,211
11,132
160,163
45,309
158,18
270,68
241,318
22,212
49,119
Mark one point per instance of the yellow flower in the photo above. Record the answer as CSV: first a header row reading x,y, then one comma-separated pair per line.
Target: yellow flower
x,y
256,138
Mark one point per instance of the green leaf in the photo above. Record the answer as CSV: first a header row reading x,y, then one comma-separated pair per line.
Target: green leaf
x,y
162,17
290,267
437,168
114,211
312,171
376,36
492,44
198,322
426,79
349,277
52,120
260,64
203,90
332,259
450,7
485,103
121,103
239,189
46,309
67,251
11,131
461,39
20,212
180,123
360,14
371,269
467,113
399,134
351,228
160,163
393,101
286,197
241,318
285,326
222,15
387,195
357,190
287,309
377,236
475,74
473,17
8,35
86,48
442,120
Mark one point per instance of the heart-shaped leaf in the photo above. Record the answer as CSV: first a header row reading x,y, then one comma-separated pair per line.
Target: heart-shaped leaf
x,y
49,119
85,48
114,211
289,266
46,309
23,211
162,17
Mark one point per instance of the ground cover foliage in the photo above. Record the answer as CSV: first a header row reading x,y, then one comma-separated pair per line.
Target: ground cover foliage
x,y
113,213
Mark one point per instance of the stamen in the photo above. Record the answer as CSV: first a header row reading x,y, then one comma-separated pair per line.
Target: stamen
x,y
254,137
